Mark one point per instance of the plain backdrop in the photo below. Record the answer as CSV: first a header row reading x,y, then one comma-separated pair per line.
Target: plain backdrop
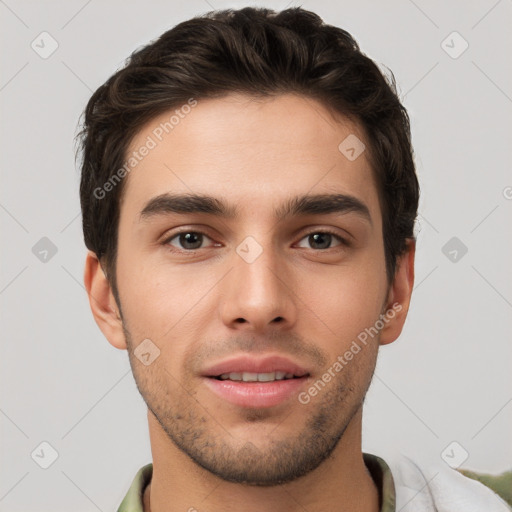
x,y
448,376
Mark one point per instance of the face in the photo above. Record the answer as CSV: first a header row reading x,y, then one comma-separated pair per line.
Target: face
x,y
250,259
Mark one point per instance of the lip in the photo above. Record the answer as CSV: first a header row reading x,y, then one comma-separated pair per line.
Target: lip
x,y
253,364
255,395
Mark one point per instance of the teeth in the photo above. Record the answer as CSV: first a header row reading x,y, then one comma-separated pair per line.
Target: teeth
x,y
266,377
256,377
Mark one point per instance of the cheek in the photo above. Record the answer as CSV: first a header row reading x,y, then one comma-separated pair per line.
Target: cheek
x,y
163,302
149,303
346,299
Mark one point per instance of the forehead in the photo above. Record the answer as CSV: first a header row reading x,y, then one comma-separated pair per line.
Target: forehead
x,y
249,151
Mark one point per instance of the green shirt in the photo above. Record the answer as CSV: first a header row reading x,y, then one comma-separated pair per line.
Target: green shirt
x,y
379,470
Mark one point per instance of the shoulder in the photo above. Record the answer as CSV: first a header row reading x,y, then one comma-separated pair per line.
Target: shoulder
x,y
429,487
133,501
501,484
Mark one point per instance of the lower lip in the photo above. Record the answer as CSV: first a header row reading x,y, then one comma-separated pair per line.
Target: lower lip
x,y
256,394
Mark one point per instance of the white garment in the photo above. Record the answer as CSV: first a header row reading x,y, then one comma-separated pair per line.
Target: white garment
x,y
440,489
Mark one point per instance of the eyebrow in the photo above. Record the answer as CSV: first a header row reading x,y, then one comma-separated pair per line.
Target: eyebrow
x,y
318,204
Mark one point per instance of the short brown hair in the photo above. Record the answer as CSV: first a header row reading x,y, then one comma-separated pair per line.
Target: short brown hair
x,y
262,53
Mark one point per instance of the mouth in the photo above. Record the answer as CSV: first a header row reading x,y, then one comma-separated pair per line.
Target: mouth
x,y
251,382
257,377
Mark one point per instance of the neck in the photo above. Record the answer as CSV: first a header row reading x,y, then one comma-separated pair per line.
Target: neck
x,y
341,483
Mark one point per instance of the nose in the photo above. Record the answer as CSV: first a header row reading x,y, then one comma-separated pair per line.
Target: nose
x,y
258,295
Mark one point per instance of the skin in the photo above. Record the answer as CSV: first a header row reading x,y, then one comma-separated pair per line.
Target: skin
x,y
296,299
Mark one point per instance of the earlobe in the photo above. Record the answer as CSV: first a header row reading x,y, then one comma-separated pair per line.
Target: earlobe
x,y
399,296
102,302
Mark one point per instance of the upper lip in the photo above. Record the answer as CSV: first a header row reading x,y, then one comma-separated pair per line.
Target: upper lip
x,y
253,364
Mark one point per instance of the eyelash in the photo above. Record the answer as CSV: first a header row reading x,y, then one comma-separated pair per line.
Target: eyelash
x,y
167,241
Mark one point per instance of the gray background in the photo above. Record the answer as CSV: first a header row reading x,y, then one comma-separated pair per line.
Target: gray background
x,y
446,379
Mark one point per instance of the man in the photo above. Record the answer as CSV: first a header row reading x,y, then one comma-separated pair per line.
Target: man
x,y
249,196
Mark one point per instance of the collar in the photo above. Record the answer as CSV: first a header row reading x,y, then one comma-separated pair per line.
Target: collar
x,y
379,471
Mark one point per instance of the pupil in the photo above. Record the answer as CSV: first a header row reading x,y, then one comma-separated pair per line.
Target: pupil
x,y
322,239
190,238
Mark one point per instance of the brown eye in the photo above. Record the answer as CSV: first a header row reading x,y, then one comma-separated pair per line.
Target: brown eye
x,y
188,240
322,240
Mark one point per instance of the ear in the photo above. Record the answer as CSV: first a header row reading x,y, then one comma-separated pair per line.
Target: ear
x,y
399,296
102,302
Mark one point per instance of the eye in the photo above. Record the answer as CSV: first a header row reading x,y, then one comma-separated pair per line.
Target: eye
x,y
323,240
187,240
194,240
